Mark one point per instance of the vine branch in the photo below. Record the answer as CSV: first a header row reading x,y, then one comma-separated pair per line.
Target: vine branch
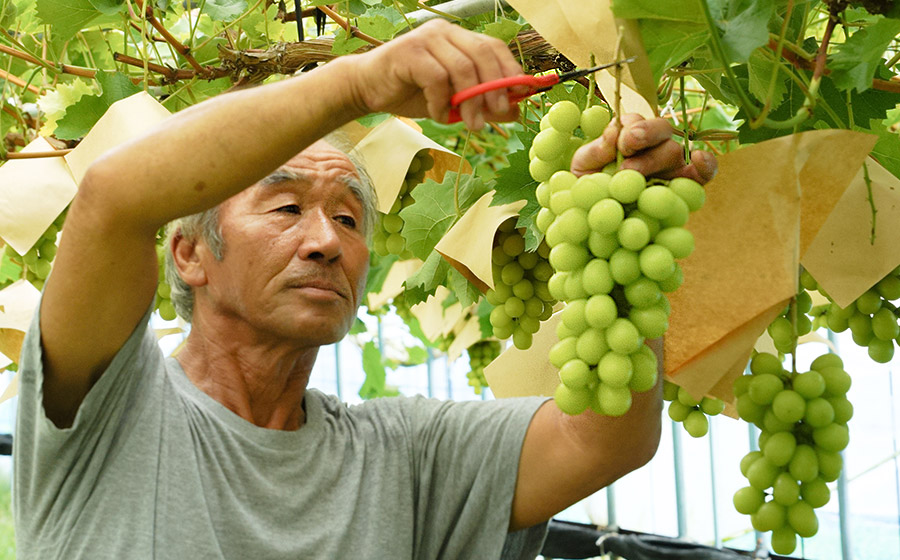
x,y
4,75
351,30
184,51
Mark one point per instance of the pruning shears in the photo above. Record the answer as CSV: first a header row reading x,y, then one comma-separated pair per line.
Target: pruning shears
x,y
534,84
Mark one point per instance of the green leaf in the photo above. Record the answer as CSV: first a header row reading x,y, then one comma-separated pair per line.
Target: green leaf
x,y
760,68
108,6
381,23
224,10
669,43
571,91
466,293
66,17
856,60
887,149
503,29
483,311
373,365
344,43
379,267
672,10
54,103
81,116
9,271
426,280
745,27
434,212
514,183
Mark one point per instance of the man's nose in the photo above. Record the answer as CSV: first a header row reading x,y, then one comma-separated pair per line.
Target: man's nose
x,y
321,240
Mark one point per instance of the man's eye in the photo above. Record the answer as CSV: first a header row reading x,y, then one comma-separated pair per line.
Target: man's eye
x,y
290,209
349,221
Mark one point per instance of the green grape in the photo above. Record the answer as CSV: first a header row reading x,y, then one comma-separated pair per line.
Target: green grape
x,y
768,517
779,448
843,409
686,398
602,245
626,185
784,540
741,385
819,413
762,473
712,407
670,391
810,385
830,464
573,315
571,401
541,170
42,268
881,351
656,201
615,369
679,215
804,465
561,181
600,311
657,262
591,346
826,360
689,191
167,310
677,240
562,352
633,234
861,329
528,260
802,519
576,374
522,339
764,387
678,412
643,293
749,410
613,400
624,266
789,406
763,362
574,222
597,278
815,493
550,144
651,322
696,424
772,424
748,460
673,282
589,190
889,288
605,216
869,303
564,116
837,381
623,337
644,370
593,120
833,437
748,500
786,490
568,257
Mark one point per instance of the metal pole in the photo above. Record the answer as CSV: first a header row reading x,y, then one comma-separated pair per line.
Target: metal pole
x,y
337,369
459,8
754,446
680,505
712,482
447,375
428,368
894,437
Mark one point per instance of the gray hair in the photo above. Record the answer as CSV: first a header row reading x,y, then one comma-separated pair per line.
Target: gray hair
x,y
205,225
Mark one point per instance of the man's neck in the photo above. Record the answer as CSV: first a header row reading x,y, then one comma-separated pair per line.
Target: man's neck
x,y
263,382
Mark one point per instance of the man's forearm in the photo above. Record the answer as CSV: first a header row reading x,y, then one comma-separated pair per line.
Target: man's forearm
x,y
207,153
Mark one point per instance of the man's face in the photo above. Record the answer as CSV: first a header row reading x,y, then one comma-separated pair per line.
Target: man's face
x,y
295,259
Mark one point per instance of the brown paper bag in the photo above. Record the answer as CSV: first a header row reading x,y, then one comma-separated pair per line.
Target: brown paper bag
x,y
468,244
387,152
525,373
841,257
590,27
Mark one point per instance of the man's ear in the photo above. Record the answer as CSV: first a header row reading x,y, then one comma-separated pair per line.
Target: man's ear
x,y
189,257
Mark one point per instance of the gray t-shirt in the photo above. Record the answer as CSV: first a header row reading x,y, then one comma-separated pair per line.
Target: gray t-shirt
x,y
154,468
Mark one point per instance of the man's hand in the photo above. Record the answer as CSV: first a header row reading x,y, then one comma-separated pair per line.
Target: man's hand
x,y
416,75
648,147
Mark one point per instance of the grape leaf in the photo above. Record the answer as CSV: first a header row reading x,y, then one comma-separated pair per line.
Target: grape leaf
x,y
358,327
466,293
483,312
760,68
378,271
503,29
672,10
224,10
744,27
66,17
108,6
372,364
856,60
53,103
425,281
415,355
514,183
81,116
887,149
669,43
344,43
434,211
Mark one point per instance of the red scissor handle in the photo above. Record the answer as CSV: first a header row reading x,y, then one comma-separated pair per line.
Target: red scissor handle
x,y
533,83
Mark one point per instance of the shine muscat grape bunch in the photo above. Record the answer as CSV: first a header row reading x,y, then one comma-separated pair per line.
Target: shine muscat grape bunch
x,y
691,413
614,240
803,421
872,318
520,296
37,260
481,354
387,239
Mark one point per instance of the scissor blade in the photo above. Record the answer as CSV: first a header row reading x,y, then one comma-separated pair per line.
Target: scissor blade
x,y
580,73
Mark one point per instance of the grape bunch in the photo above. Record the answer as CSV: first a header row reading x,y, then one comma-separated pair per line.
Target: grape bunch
x,y
557,141
387,239
480,355
614,240
36,261
520,296
163,290
803,421
783,331
872,318
691,413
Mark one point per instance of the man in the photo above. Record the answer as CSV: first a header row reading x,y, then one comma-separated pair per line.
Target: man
x,y
224,453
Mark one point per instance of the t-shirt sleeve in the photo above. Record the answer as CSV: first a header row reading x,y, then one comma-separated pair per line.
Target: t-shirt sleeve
x,y
56,468
466,458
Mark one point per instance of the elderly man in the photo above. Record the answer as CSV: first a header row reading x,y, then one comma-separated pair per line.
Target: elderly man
x,y
225,452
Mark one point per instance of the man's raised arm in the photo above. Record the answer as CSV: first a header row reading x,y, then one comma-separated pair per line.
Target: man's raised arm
x,y
105,272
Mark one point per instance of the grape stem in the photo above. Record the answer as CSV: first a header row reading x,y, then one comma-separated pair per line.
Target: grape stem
x,y
618,98
871,199
462,159
685,124
773,81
